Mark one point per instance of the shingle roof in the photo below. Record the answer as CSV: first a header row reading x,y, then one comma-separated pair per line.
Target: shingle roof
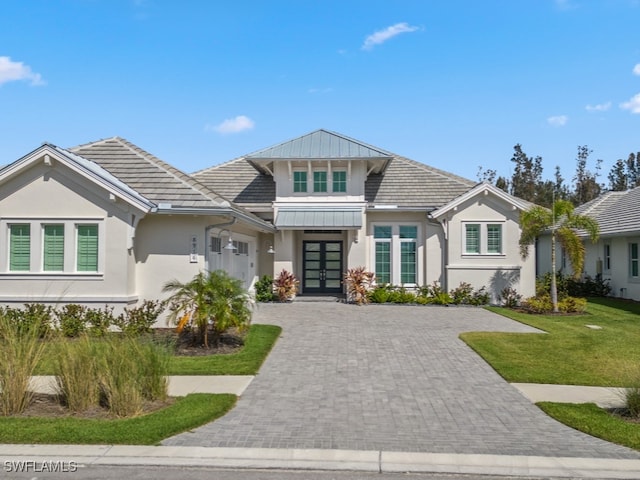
x,y
615,212
408,183
156,180
405,183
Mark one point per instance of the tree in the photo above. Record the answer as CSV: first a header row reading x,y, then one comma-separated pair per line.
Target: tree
x,y
586,182
625,174
213,298
527,175
562,222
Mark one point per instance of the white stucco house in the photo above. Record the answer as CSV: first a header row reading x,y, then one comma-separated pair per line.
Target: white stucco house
x,y
109,223
615,257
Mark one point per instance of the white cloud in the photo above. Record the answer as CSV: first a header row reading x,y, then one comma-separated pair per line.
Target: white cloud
x,y
633,105
558,120
600,107
11,71
382,36
232,125
636,69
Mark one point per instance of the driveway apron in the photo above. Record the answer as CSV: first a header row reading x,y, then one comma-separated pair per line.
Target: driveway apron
x,y
391,378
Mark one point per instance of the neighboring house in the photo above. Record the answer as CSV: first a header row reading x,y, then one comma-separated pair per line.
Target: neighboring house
x,y
108,223
339,203
616,255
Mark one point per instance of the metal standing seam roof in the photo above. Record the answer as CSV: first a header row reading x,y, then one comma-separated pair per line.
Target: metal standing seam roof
x,y
320,144
319,218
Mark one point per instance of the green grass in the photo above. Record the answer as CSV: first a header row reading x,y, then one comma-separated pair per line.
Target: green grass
x,y
185,414
569,353
247,361
258,343
595,421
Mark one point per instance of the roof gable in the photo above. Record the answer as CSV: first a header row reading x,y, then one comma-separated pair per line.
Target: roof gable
x,y
50,154
482,189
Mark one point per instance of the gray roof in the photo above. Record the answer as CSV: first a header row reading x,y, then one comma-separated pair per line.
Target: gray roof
x,y
615,212
405,182
320,144
154,179
319,218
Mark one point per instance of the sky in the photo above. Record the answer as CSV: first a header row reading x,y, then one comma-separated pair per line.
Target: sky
x,y
454,84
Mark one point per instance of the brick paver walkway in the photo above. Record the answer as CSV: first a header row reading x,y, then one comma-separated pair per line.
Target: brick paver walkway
x,y
393,378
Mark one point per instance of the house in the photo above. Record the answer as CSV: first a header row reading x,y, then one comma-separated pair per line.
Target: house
x,y
615,257
109,223
339,203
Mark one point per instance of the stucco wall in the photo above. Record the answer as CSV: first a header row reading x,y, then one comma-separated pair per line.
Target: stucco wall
x,y
53,194
493,271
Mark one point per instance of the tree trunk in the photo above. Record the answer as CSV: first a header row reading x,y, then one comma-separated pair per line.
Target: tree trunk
x,y
554,287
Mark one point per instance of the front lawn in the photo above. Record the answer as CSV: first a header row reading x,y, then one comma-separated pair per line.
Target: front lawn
x,y
185,414
569,353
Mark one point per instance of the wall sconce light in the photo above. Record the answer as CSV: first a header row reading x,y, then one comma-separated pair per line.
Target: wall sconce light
x,y
229,245
271,250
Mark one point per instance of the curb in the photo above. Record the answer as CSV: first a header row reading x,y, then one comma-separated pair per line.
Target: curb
x,y
318,459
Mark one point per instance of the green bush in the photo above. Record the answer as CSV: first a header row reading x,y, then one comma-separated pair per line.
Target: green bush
x,y
380,294
138,320
264,289
538,304
99,321
589,287
71,320
31,314
462,294
480,297
510,297
572,305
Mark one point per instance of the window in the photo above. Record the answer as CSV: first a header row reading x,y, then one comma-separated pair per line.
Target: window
x,y
607,257
320,181
382,239
408,258
242,248
339,182
53,248
20,248
300,181
494,238
216,245
633,260
472,243
87,248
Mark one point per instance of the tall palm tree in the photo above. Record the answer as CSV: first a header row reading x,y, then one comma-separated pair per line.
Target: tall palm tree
x,y
213,298
563,224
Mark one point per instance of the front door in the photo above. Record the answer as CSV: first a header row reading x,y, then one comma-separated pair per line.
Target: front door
x,y
322,266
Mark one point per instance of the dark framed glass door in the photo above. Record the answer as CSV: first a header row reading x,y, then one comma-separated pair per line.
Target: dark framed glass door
x,y
322,266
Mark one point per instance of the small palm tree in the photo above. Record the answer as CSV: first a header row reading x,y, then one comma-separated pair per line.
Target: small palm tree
x,y
213,298
563,224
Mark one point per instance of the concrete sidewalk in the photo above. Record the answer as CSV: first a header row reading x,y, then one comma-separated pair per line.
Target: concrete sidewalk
x,y
605,397
318,459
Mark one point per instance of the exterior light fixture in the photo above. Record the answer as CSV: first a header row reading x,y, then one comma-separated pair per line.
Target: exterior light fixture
x,y
271,250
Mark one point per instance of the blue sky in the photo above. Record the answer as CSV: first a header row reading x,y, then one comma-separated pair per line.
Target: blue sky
x,y
451,83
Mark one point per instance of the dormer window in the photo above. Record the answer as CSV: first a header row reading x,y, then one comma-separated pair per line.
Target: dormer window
x,y
339,182
300,181
320,181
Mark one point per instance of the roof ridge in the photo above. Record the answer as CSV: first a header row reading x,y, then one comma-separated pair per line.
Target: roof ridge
x,y
212,167
590,206
170,169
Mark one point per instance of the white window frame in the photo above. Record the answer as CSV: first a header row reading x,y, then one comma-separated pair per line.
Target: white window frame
x,y
606,256
484,238
37,227
396,250
634,260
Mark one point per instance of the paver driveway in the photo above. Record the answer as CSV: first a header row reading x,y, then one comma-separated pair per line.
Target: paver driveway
x,y
394,378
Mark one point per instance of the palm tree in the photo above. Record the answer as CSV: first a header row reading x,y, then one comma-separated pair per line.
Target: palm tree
x,y
563,224
209,298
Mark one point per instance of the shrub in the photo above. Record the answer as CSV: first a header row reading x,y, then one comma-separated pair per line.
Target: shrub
x,y
286,286
510,297
438,294
543,285
21,351
76,373
462,294
358,282
99,321
480,297
71,320
138,320
588,287
31,314
264,289
154,359
632,401
538,304
572,305
401,295
380,294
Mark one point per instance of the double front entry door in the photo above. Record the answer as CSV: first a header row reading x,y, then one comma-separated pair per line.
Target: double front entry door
x,y
322,267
